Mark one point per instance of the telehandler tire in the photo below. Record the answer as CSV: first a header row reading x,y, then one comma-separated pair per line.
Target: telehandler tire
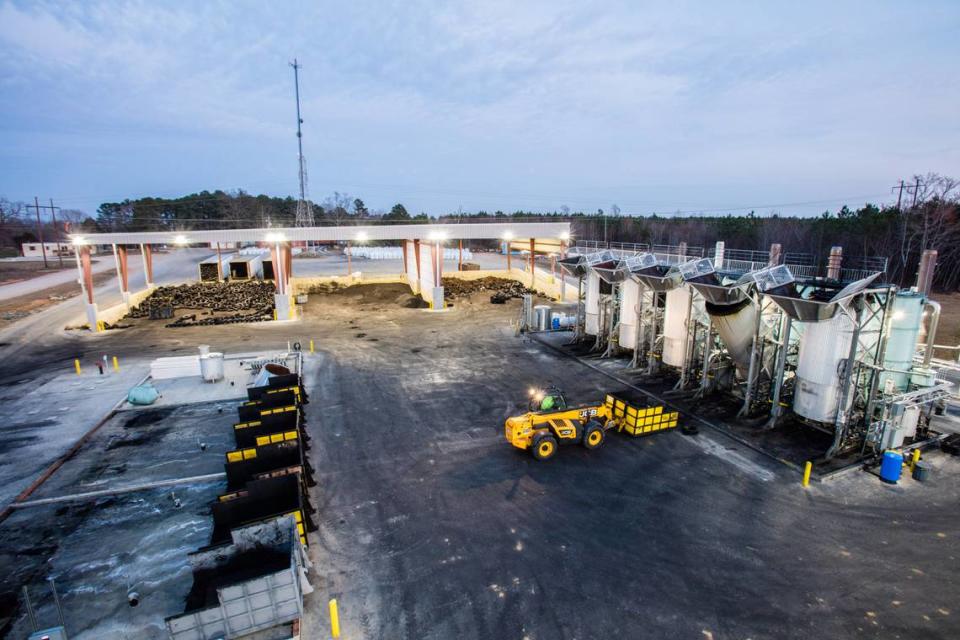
x,y
544,447
593,435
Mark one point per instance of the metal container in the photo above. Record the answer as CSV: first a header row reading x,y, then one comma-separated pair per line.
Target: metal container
x,y
629,299
923,377
736,324
891,466
823,347
211,366
592,303
921,471
675,325
905,321
541,313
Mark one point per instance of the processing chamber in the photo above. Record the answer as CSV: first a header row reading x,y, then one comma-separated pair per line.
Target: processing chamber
x,y
823,348
736,325
675,325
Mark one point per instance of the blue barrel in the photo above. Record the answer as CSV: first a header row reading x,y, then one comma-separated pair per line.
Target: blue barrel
x,y
891,466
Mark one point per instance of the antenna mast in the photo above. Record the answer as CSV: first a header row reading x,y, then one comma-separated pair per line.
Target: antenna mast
x,y
304,210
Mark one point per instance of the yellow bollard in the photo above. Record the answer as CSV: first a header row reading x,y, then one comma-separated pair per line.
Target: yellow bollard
x,y
914,460
116,364
334,619
274,314
311,346
806,473
76,365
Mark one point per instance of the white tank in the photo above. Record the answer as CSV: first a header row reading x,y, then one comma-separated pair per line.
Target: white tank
x,y
905,321
592,303
629,299
823,346
211,366
674,325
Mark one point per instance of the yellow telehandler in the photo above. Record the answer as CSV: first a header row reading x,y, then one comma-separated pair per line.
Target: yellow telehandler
x,y
550,423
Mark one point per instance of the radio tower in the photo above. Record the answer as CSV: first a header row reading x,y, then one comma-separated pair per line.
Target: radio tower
x,y
304,210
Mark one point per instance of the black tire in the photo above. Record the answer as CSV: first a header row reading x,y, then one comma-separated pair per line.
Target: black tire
x,y
593,435
544,447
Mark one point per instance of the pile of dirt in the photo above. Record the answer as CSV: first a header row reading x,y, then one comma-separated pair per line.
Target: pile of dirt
x,y
220,302
372,293
501,289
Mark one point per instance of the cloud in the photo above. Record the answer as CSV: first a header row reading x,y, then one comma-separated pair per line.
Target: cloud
x,y
481,104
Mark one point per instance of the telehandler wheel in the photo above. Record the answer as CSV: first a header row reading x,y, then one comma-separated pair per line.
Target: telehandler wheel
x,y
593,435
544,447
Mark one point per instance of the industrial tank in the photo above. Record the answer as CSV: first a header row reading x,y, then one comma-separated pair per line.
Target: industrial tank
x,y
592,303
675,325
629,299
905,320
823,347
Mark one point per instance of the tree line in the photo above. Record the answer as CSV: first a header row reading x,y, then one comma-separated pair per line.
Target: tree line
x,y
929,218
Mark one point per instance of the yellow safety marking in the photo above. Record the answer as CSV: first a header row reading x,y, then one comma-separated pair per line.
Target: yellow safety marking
x,y
76,365
244,425
334,619
807,468
116,364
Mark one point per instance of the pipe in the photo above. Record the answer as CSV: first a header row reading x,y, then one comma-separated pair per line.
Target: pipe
x,y
685,369
786,324
932,327
638,339
651,359
846,398
834,262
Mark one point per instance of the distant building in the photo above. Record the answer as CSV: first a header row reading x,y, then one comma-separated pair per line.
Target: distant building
x,y
33,250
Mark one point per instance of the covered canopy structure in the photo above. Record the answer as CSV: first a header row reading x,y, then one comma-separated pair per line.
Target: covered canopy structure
x,y
422,244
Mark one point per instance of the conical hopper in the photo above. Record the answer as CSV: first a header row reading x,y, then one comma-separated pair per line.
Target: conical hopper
x,y
817,305
612,272
575,266
648,271
701,275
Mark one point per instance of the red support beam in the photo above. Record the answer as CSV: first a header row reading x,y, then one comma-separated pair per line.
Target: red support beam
x,y
533,248
287,265
148,262
124,270
460,259
404,252
416,257
275,260
87,272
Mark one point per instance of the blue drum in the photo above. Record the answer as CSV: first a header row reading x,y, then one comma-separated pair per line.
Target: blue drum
x,y
891,466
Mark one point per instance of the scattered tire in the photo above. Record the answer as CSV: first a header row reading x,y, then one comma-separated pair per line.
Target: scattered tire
x,y
544,447
593,435
689,429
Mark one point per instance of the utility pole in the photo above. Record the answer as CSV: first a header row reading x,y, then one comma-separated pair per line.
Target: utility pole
x,y
56,232
899,195
43,248
916,190
304,217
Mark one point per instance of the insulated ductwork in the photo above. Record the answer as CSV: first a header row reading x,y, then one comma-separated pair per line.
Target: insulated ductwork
x,y
736,324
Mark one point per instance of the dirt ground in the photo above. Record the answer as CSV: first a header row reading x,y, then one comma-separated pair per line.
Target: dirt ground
x,y
13,309
431,526
17,271
949,330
